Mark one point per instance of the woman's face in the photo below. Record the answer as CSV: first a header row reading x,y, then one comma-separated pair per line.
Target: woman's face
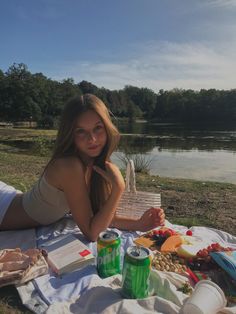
x,y
90,135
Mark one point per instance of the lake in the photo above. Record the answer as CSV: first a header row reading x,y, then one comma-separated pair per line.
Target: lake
x,y
201,152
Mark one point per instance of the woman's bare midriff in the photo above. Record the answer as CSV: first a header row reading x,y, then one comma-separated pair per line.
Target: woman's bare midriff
x,y
16,217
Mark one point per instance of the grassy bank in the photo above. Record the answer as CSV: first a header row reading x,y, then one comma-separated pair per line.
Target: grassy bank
x,y
193,203
186,202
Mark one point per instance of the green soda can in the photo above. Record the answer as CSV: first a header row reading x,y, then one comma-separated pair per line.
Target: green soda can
x,y
108,254
136,272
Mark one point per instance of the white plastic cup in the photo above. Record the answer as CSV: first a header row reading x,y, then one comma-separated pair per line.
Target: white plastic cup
x,y
207,298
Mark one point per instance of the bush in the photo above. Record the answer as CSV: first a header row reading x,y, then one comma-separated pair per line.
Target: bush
x,y
47,122
42,146
141,162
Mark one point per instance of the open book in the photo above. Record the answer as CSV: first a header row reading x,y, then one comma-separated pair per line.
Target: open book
x,y
67,253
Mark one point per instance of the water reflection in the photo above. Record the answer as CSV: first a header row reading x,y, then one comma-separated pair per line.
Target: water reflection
x,y
148,136
201,152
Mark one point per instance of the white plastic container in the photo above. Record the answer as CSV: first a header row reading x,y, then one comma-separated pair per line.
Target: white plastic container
x,y
207,298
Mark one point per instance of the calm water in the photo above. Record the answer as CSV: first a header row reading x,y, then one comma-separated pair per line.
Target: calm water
x,y
202,153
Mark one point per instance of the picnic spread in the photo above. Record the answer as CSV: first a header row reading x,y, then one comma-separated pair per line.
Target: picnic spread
x,y
179,261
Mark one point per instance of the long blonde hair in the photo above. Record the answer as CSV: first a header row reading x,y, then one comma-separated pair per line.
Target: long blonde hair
x,y
64,145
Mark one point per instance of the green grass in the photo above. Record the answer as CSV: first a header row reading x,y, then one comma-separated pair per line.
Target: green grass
x,y
16,134
10,302
20,170
192,221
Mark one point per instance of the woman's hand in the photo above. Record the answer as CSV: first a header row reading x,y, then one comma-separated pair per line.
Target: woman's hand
x,y
113,175
152,218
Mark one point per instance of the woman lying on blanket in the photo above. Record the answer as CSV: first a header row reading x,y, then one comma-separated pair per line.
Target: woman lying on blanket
x,y
79,178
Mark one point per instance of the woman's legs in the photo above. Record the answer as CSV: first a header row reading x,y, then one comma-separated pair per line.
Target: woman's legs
x,y
7,194
16,217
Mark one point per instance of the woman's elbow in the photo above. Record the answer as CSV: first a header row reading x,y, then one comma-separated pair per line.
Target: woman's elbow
x,y
91,236
93,239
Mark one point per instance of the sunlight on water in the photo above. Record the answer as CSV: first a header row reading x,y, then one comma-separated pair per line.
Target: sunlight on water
x,y
217,166
213,166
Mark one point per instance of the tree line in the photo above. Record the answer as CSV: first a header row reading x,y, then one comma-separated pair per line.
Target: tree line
x,y
34,97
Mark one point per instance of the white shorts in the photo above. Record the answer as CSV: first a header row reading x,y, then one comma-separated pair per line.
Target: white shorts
x,y
7,193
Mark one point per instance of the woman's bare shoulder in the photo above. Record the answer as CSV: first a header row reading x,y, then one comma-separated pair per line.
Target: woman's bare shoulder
x,y
68,163
63,168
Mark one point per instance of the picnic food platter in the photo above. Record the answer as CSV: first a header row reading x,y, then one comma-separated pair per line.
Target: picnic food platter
x,y
188,255
186,246
154,238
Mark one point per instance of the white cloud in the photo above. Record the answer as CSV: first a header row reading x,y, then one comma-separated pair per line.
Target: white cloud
x,y
162,65
222,3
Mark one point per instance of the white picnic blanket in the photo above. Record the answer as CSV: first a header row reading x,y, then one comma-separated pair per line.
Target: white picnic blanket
x,y
83,291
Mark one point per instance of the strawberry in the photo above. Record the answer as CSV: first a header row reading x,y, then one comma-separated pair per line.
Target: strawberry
x,y
156,232
189,233
172,231
204,253
210,248
216,245
161,232
168,233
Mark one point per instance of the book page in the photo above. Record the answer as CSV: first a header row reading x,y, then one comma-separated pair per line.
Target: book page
x,y
67,251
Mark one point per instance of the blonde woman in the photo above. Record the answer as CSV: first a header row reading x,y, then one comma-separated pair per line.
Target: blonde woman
x,y
79,178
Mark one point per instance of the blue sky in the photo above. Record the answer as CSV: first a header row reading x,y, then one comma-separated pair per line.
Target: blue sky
x,y
159,44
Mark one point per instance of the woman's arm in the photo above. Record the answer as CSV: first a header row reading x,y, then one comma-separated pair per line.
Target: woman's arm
x,y
151,219
76,192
